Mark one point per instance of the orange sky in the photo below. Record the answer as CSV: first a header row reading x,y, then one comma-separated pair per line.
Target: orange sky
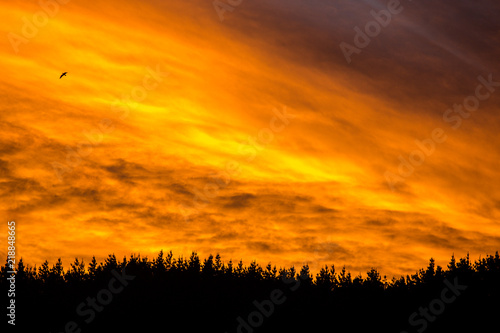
x,y
164,101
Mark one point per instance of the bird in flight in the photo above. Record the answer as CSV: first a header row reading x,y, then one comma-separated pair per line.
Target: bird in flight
x,y
63,74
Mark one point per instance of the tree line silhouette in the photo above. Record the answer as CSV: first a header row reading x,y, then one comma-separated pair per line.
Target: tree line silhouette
x,y
191,294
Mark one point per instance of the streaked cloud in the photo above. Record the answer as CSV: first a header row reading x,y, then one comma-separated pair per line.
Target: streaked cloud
x,y
315,193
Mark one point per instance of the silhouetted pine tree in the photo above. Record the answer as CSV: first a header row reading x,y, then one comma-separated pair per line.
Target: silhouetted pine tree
x,y
373,280
76,274
345,280
326,278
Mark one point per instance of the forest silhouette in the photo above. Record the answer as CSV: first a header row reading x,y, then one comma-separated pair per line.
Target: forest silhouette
x,y
211,295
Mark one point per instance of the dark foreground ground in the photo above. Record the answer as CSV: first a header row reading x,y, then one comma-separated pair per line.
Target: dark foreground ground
x,y
191,295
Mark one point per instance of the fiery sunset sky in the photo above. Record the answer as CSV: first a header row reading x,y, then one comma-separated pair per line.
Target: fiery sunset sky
x,y
243,129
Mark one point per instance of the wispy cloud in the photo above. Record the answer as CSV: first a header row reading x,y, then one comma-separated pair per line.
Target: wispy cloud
x,y
321,181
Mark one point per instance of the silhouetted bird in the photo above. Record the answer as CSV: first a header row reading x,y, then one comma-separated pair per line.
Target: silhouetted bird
x,y
63,74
